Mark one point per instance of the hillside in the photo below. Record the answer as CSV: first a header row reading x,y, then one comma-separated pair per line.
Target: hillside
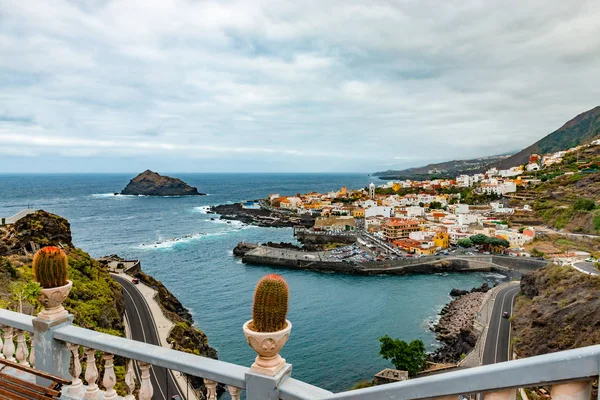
x,y
568,199
558,309
581,129
448,169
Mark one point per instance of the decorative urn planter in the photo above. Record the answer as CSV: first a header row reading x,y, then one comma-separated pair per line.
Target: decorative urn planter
x,y
268,330
267,345
52,299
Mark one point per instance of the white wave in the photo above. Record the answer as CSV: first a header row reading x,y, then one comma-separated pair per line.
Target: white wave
x,y
116,196
202,209
228,222
495,276
171,242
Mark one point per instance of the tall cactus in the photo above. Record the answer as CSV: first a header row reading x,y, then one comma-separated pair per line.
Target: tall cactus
x,y
270,304
50,267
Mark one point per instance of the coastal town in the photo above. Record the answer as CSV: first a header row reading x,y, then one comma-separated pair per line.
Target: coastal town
x,y
469,215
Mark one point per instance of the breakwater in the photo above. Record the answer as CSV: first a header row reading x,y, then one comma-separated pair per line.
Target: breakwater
x,y
319,261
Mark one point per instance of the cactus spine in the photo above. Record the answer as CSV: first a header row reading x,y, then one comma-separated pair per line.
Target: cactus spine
x,y
270,304
50,267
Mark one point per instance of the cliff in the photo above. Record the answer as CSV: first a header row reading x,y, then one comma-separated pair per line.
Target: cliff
x,y
150,183
96,300
558,309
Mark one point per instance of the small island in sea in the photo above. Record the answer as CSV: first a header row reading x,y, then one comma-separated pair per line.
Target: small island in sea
x,y
149,183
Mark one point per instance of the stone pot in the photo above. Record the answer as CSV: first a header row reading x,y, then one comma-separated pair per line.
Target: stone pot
x,y
267,345
52,299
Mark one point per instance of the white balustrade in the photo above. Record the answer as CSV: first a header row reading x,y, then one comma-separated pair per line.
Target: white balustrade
x,y
146,390
91,375
22,351
234,392
9,346
109,379
1,347
211,389
129,381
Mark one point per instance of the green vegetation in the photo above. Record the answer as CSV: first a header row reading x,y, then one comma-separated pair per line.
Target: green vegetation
x,y
584,205
270,304
22,291
405,356
435,205
490,243
361,385
50,267
466,243
536,253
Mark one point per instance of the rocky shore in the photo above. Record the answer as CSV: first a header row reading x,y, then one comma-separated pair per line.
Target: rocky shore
x,y
455,327
261,217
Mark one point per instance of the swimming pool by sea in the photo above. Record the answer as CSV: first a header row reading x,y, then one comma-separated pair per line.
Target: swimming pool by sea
x,y
336,318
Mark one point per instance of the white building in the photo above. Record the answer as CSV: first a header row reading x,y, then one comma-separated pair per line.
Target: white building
x,y
461,209
415,211
372,190
383,211
467,219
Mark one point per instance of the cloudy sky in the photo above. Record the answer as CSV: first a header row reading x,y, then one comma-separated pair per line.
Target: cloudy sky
x,y
328,85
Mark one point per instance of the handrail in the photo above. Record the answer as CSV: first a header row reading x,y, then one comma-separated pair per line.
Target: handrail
x,y
17,320
220,371
569,365
293,389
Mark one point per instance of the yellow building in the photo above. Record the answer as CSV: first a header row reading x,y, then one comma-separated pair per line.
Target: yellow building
x,y
441,240
396,186
344,191
358,213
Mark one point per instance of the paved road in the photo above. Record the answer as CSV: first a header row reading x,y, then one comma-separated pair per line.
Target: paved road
x,y
586,267
143,329
497,343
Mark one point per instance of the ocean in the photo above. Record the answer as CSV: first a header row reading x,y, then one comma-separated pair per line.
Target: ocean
x,y
336,318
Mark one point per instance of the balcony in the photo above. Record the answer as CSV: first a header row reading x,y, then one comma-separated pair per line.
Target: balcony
x,y
55,347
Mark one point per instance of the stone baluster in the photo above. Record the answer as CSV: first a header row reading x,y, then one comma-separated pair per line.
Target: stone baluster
x,y
581,390
234,392
22,351
211,389
91,374
129,381
109,379
76,366
506,394
146,390
9,345
32,352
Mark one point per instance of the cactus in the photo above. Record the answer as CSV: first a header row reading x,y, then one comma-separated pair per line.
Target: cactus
x,y
270,304
50,267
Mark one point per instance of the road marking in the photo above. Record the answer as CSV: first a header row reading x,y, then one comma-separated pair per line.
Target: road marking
x,y
168,371
512,300
144,335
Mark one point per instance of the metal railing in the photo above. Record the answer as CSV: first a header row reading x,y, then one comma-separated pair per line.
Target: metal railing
x,y
57,346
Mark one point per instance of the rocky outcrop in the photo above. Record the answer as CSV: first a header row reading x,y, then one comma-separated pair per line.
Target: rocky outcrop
x,y
242,248
149,183
34,231
458,292
261,217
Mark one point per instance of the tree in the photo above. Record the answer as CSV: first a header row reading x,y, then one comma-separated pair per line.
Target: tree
x,y
480,239
435,205
24,291
466,243
405,356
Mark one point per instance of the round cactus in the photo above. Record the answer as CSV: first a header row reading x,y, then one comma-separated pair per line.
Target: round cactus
x,y
50,267
270,304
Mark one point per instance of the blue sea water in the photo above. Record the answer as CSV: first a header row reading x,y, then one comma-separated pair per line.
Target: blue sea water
x,y
336,318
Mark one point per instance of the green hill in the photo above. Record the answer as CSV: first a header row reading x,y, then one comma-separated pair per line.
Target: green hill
x,y
581,129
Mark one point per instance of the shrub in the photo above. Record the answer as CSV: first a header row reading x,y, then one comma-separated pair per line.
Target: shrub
x,y
584,205
405,356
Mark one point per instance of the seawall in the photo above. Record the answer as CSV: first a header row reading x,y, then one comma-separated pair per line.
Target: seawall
x,y
315,261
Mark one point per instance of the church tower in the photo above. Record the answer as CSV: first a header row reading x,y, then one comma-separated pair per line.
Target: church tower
x,y
372,190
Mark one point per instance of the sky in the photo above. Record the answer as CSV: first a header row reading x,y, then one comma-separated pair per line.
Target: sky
x,y
287,86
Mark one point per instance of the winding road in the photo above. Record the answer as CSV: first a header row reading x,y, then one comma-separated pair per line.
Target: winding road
x,y
143,329
497,342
